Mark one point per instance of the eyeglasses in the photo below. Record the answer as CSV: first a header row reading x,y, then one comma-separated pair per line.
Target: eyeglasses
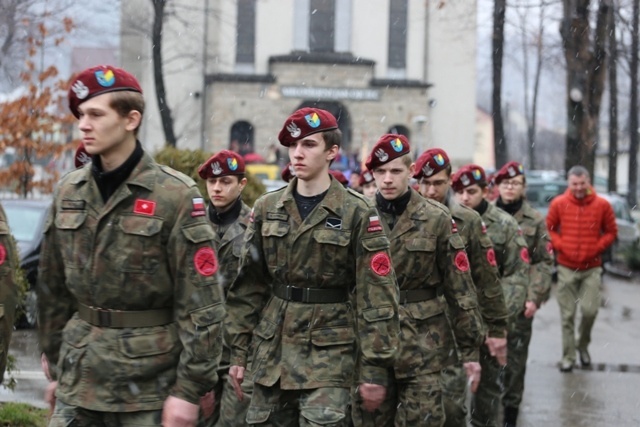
x,y
438,183
512,184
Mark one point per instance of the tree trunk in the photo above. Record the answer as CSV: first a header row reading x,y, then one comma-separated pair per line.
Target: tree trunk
x,y
633,110
612,182
499,137
532,125
585,79
158,74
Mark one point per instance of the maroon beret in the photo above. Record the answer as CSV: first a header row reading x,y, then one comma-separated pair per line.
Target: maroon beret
x,y
288,172
510,170
81,157
430,163
224,163
366,176
98,80
389,147
339,176
305,122
468,175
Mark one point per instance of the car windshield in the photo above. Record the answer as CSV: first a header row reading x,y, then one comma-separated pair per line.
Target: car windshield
x,y
540,194
23,221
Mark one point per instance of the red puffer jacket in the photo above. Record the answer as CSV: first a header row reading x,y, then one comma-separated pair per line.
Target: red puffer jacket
x,y
581,229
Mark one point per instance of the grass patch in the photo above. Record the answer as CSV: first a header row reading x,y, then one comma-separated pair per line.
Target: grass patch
x,y
22,415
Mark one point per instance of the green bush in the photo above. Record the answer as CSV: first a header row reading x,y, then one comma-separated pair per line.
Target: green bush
x,y
188,161
23,415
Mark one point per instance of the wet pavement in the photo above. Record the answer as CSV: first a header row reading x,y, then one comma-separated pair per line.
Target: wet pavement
x,y
607,394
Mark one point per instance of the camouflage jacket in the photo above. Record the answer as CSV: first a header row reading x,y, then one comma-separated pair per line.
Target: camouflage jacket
x,y
339,246
538,241
484,270
8,289
512,257
149,247
229,248
426,254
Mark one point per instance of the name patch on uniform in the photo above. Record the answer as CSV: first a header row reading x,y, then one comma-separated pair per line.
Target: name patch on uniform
x,y
205,261
198,207
381,264
277,216
334,223
374,224
3,254
72,205
144,207
461,261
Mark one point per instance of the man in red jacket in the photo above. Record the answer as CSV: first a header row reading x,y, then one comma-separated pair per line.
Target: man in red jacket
x,y
582,226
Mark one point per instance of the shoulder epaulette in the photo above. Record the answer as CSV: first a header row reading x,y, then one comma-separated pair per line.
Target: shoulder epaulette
x,y
188,181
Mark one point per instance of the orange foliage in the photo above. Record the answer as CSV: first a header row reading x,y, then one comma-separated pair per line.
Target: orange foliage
x,y
36,125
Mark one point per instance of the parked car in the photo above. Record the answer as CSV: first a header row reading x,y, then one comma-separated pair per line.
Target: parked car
x,y
26,218
541,191
628,233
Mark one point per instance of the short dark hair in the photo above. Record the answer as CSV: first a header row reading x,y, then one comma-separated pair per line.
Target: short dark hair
x,y
578,170
125,101
448,169
331,138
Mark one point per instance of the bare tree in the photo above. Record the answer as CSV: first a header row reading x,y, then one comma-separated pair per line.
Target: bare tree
x,y
633,109
612,182
497,55
585,60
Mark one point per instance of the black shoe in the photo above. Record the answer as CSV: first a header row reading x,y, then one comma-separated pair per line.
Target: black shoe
x,y
585,358
566,367
510,416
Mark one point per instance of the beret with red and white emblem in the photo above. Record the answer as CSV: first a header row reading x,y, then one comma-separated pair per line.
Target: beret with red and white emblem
x,y
430,163
224,163
81,157
389,147
509,170
366,177
288,172
468,175
305,122
98,80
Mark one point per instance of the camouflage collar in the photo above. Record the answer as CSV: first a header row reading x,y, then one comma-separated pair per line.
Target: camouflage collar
x,y
142,175
416,209
333,201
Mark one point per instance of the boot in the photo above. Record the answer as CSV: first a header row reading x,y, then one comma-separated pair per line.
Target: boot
x,y
510,416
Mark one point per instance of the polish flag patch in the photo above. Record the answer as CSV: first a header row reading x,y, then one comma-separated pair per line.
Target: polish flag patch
x,y
198,207
144,207
454,226
484,228
374,224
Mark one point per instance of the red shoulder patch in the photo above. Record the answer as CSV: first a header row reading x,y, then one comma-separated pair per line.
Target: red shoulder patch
x,y
491,257
524,254
550,248
462,261
205,261
381,264
3,254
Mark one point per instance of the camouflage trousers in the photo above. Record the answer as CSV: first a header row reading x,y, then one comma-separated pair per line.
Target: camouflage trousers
x,y
73,416
518,351
229,411
272,406
415,401
485,404
454,396
577,288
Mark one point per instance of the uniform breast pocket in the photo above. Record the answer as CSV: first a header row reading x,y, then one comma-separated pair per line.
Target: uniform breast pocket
x,y
74,240
332,250
273,243
420,257
140,246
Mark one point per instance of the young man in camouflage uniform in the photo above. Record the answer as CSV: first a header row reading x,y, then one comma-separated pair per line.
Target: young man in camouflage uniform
x,y
511,183
428,256
8,289
316,294
512,258
130,309
224,173
433,171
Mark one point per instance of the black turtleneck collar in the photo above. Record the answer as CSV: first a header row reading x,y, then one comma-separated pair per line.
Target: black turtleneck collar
x,y
108,182
510,208
306,204
396,206
482,207
227,217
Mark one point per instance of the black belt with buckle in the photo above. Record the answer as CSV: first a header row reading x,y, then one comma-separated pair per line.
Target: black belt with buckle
x,y
311,295
418,295
124,319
